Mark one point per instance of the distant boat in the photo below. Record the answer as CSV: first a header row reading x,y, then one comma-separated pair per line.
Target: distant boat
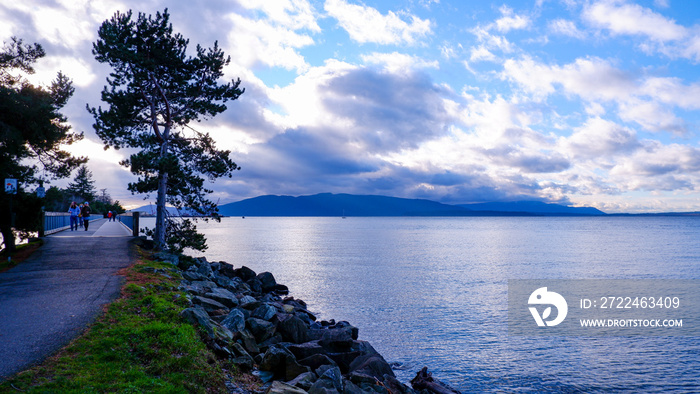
x,y
344,215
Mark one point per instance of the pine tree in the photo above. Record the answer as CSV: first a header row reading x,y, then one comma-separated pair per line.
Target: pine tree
x,y
83,186
154,93
32,130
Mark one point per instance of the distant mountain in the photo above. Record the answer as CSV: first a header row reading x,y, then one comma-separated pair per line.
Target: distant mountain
x,y
327,204
150,210
535,207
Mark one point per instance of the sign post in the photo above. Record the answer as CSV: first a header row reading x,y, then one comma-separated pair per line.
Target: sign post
x,y
11,188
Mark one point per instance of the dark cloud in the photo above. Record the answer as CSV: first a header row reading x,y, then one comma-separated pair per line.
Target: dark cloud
x,y
389,111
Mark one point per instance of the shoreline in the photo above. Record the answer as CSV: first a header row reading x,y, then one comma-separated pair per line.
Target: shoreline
x,y
252,321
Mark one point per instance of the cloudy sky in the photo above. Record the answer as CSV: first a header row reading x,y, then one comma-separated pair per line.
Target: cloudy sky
x,y
590,102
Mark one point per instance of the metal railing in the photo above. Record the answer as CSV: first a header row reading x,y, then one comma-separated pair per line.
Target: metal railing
x,y
54,222
130,220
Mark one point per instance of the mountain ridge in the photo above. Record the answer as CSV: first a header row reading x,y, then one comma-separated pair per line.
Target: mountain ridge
x,y
342,204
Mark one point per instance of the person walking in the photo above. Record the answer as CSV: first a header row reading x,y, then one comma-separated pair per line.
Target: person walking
x,y
85,212
109,216
80,215
74,211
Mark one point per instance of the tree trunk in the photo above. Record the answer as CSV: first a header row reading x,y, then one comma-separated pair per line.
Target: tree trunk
x,y
161,212
159,236
8,237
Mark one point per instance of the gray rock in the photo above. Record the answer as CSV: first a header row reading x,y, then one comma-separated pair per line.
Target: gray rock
x,y
265,312
192,275
245,363
293,329
278,387
247,301
304,381
306,349
330,381
208,304
226,269
223,281
244,273
261,329
267,281
205,270
205,286
333,339
234,321
255,285
282,363
248,341
198,316
223,296
317,360
372,365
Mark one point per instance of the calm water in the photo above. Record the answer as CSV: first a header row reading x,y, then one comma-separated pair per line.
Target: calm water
x,y
433,292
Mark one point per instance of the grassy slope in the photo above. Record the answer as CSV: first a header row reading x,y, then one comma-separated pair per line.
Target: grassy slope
x,y
139,344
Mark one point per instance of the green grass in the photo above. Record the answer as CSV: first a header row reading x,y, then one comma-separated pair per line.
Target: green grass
x,y
138,345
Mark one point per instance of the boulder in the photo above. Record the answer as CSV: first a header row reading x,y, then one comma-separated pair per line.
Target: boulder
x,y
267,281
281,289
234,321
304,381
372,365
278,387
255,285
193,275
244,273
223,296
199,317
333,340
282,363
208,304
330,382
226,269
264,312
205,270
248,302
293,329
316,361
248,341
261,329
306,349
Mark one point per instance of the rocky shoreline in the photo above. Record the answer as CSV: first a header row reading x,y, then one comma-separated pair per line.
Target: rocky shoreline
x,y
250,320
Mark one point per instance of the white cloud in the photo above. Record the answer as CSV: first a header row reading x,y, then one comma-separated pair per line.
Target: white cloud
x,y
510,21
480,53
592,79
398,62
651,115
260,42
599,139
566,28
292,14
366,24
622,18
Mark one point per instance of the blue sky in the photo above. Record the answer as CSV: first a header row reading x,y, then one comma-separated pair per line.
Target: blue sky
x,y
581,102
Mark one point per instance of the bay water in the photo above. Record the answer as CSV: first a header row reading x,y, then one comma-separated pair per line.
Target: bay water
x,y
434,291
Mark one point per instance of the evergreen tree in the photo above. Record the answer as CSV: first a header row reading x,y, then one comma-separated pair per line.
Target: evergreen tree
x,y
83,186
154,92
32,129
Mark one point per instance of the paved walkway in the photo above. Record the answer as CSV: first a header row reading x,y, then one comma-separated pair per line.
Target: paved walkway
x,y
53,296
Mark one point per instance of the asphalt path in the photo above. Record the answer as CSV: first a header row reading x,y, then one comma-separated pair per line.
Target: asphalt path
x,y
53,296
